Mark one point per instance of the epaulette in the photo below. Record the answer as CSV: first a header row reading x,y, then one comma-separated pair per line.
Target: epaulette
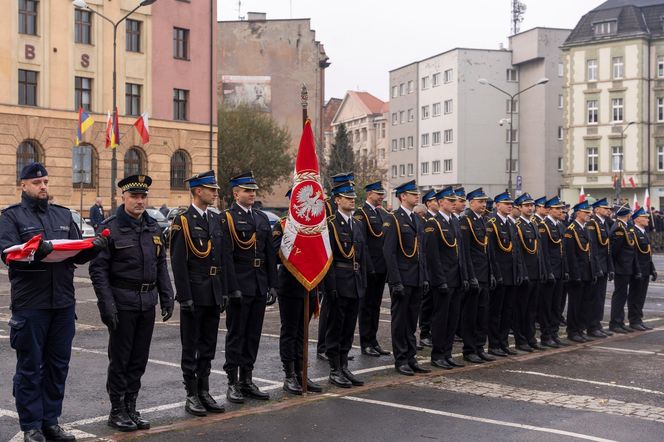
x,y
358,217
568,235
590,227
331,218
109,219
429,230
386,224
10,207
570,227
492,219
619,233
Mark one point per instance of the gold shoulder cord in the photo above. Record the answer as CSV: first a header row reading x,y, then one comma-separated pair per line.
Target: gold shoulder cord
x,y
190,243
244,245
554,241
647,251
371,230
351,253
578,241
532,251
500,242
629,242
481,243
604,243
401,243
445,241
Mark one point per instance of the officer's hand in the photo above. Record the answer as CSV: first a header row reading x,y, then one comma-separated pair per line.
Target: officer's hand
x,y
595,279
235,294
474,284
551,278
492,283
166,313
271,296
653,276
499,282
188,306
425,287
566,277
100,243
638,276
110,321
396,290
45,247
611,276
465,285
600,274
525,280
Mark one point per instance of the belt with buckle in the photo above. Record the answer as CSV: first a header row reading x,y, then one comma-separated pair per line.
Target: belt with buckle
x,y
344,265
255,263
211,271
129,284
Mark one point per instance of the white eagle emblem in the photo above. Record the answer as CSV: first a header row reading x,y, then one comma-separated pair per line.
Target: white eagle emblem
x,y
308,204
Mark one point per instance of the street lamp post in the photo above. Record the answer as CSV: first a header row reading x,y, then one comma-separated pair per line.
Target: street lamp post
x,y
621,164
512,97
83,5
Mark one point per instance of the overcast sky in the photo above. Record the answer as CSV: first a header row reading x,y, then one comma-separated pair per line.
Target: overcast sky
x,y
365,39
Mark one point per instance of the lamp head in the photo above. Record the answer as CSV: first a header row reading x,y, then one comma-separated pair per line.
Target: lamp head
x,y
80,4
147,2
483,81
543,80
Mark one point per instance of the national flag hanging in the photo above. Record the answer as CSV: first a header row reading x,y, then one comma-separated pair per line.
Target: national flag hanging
x,y
582,195
109,129
632,183
142,127
622,182
305,245
112,131
84,123
646,201
636,203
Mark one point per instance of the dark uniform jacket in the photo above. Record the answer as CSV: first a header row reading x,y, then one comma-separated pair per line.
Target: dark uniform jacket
x,y
505,244
372,222
643,253
96,215
534,265
622,248
580,260
40,285
350,258
553,247
598,233
287,285
253,256
475,242
201,259
444,252
403,249
132,272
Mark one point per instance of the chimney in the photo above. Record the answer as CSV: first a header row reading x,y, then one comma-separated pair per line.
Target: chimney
x,y
256,16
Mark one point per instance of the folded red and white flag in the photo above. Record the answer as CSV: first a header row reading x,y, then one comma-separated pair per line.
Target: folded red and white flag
x,y
62,249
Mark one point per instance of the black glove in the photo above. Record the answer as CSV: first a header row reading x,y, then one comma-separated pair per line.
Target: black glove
x,y
637,276
474,284
653,276
492,283
425,287
550,278
595,279
271,296
166,313
525,280
611,276
519,280
600,274
110,321
566,277
188,306
396,290
465,285
100,243
443,288
44,249
499,282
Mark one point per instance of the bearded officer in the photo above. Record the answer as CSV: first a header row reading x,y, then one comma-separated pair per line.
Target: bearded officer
x,y
129,278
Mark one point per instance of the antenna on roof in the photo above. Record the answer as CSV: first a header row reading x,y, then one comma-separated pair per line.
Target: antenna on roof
x,y
518,9
239,10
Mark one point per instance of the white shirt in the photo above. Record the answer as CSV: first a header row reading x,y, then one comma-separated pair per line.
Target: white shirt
x,y
244,208
408,212
525,219
372,206
600,218
511,218
640,228
344,216
501,217
445,215
554,221
582,225
200,211
432,213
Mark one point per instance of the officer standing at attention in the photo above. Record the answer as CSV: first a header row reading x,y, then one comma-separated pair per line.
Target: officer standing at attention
x,y
623,252
42,324
638,288
345,284
430,200
128,278
406,276
371,216
204,276
256,272
541,211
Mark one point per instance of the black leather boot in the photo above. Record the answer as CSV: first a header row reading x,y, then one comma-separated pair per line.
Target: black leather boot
x,y
134,415
193,404
291,384
248,388
336,376
119,419
233,394
56,433
312,386
348,374
206,399
33,436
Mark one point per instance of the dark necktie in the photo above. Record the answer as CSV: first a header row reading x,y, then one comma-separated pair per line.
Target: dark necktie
x,y
204,216
380,218
412,217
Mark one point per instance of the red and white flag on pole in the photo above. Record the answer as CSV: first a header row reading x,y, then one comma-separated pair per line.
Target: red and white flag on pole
x,y
646,201
142,127
305,245
582,195
632,183
636,203
62,249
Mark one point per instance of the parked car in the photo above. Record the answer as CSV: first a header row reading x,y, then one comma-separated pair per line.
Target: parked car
x,y
272,217
159,217
87,231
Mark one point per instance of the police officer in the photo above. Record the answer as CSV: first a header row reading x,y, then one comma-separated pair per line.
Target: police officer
x,y
406,276
96,213
624,261
204,277
256,272
370,217
638,288
430,200
598,232
42,305
345,284
128,277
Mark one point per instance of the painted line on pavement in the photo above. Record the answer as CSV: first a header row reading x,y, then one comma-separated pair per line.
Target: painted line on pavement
x,y
476,419
587,381
18,437
8,413
627,350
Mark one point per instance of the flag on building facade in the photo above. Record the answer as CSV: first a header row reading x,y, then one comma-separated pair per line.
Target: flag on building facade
x,y
582,195
84,123
632,183
646,201
143,128
636,204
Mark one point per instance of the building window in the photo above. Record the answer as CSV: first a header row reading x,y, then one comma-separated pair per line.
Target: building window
x,y
83,166
132,99
425,112
411,142
448,76
402,89
512,75
133,37
561,101
560,164
593,159
82,26
447,166
592,70
27,152
425,168
448,136
660,109
660,67
394,145
180,97
27,16
617,105
514,104
425,140
394,171
448,106
411,114
395,118
402,117
515,165
512,135
616,158
593,111
134,162
660,158
411,169
435,166
605,27
402,170
435,138
618,68
27,87
560,132
395,91
561,69
402,144
180,169
411,86
436,109
181,43
425,83
382,130
435,79
82,93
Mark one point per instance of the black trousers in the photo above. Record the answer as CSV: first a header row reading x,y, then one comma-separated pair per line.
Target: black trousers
x,y
128,351
474,319
322,324
404,310
577,292
501,305
244,322
563,301
291,336
636,299
426,314
558,305
548,315
370,309
594,308
444,321
618,300
198,334
525,312
341,327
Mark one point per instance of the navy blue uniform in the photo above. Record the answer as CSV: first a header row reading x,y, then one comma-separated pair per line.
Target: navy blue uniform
x,y
96,215
638,288
582,270
598,232
624,260
551,297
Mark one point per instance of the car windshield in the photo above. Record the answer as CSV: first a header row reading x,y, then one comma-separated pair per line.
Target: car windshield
x,y
156,214
77,218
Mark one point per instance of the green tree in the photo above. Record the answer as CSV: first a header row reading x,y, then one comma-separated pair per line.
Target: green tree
x,y
252,140
342,158
366,171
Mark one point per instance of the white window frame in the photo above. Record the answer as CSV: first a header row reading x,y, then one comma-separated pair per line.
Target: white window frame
x,y
435,79
395,91
515,165
424,168
448,76
512,75
411,169
425,112
560,164
424,140
660,66
411,86
411,115
395,171
435,109
561,133
410,142
425,83
660,109
402,89
592,159
402,170
435,138
448,165
516,106
402,143
561,69
448,107
660,158
592,70
448,136
592,111
618,69
617,159
514,133
617,110
395,118
395,145
561,101
435,167
402,117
